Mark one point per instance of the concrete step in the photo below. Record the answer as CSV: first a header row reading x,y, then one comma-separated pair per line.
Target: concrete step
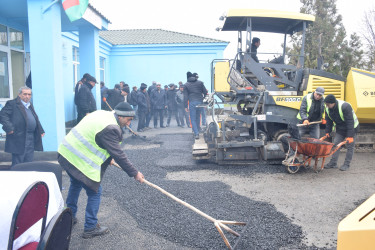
x,y
38,156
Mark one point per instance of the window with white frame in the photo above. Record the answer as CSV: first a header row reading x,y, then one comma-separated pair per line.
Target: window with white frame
x,y
75,57
102,68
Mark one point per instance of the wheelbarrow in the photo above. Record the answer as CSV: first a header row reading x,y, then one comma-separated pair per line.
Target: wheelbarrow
x,y
307,149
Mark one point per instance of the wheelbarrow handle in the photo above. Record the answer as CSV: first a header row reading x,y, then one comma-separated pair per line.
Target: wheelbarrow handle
x,y
338,146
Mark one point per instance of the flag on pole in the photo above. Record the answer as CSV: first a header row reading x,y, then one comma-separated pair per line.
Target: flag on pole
x,y
75,9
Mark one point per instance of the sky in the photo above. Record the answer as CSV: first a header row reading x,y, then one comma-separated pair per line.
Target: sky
x,y
201,17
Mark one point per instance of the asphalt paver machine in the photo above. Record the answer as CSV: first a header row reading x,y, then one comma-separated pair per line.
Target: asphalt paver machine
x,y
253,103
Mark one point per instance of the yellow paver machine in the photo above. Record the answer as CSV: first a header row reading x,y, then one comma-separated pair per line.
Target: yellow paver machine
x,y
253,103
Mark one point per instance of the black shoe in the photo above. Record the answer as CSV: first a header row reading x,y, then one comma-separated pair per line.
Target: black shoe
x,y
189,126
74,221
196,137
344,167
96,231
330,165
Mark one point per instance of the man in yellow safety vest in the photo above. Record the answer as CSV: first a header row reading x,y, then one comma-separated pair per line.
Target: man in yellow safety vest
x,y
340,115
311,110
85,153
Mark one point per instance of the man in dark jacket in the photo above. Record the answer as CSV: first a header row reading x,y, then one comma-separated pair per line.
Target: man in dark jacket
x,y
158,100
172,104
340,114
114,97
182,114
22,126
143,107
255,43
194,92
311,110
133,97
85,154
85,99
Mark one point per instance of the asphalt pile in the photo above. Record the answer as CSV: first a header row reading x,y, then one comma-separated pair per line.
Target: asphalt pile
x,y
158,214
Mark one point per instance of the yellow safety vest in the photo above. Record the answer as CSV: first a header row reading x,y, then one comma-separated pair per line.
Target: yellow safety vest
x,y
79,146
340,103
309,101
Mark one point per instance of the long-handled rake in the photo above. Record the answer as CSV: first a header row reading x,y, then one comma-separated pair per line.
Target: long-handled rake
x,y
219,224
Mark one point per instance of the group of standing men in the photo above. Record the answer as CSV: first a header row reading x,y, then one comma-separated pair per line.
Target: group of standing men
x,y
180,103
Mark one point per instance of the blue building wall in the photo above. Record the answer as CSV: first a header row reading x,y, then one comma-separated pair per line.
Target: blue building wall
x,y
49,38
162,63
136,64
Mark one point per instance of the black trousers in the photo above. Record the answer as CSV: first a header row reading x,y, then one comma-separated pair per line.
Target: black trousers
x,y
141,119
28,154
160,113
174,113
182,116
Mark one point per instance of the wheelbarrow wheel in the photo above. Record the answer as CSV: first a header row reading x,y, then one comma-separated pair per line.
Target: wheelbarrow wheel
x,y
293,169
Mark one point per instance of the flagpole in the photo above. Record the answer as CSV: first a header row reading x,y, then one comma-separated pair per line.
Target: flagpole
x,y
49,6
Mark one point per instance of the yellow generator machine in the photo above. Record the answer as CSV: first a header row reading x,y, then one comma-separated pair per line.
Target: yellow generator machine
x,y
264,97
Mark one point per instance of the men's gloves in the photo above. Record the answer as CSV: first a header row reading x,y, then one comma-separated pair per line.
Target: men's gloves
x,y
324,121
306,122
349,139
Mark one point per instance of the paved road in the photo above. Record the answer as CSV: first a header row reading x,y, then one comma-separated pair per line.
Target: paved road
x,y
284,211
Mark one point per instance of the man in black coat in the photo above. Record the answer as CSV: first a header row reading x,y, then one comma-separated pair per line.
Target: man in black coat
x,y
85,100
114,97
194,92
255,43
23,128
159,104
172,104
143,107
340,115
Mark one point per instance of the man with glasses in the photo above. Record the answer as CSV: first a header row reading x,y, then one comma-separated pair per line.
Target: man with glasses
x,y
311,110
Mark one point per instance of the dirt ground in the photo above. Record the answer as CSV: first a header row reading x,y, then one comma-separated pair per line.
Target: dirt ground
x,y
315,201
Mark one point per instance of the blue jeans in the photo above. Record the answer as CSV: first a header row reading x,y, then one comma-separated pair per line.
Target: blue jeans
x,y
93,202
313,131
195,114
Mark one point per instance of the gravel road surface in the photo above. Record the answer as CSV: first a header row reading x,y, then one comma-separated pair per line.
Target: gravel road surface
x,y
283,211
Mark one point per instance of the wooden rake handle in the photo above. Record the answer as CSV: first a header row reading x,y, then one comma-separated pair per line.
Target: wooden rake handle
x,y
218,223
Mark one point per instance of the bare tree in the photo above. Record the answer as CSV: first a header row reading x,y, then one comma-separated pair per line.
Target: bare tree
x,y
369,36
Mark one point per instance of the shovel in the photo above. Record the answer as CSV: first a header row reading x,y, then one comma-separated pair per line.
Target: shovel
x,y
311,123
132,131
219,224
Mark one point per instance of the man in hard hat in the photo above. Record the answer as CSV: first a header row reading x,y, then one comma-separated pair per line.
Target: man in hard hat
x,y
85,153
311,110
340,114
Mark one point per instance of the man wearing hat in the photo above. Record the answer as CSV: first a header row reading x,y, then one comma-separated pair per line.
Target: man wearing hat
x,y
85,153
143,107
84,98
340,115
311,110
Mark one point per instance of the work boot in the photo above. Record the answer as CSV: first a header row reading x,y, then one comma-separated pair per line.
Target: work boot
x,y
197,136
331,165
344,167
96,231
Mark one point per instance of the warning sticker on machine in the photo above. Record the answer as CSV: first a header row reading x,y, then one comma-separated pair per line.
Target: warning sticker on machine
x,y
288,99
261,117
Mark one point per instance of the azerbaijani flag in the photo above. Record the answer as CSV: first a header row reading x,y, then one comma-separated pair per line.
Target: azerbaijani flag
x,y
75,9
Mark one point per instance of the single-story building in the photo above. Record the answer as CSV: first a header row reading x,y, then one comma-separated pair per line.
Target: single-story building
x,y
36,36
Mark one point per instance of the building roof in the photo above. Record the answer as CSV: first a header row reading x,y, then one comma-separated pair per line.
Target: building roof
x,y
152,36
